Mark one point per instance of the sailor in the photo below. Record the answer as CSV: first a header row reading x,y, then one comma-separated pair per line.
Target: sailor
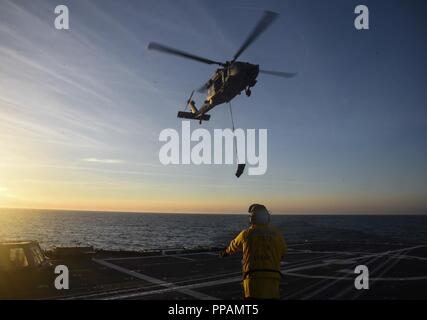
x,y
263,248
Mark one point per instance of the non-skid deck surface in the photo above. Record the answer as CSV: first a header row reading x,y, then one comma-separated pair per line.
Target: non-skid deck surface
x,y
311,271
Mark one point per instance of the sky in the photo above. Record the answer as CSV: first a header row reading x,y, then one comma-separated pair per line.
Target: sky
x,y
81,110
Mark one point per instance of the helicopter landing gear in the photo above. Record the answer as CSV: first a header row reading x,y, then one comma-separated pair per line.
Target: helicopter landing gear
x,y
248,92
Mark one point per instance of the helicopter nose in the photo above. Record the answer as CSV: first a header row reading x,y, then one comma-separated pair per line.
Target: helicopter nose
x,y
255,71
253,75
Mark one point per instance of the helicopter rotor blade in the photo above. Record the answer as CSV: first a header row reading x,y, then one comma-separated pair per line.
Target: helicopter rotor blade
x,y
278,73
263,24
165,49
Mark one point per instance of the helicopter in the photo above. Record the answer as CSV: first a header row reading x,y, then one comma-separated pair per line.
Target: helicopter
x,y
231,79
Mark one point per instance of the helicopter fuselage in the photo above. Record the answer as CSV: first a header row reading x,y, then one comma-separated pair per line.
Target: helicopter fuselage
x,y
228,82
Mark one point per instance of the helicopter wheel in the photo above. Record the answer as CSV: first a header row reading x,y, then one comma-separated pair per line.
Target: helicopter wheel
x,y
248,92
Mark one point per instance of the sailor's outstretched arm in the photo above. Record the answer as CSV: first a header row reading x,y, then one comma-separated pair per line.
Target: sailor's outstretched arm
x,y
236,245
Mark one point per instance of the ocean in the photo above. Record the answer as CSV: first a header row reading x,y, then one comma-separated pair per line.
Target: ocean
x,y
153,231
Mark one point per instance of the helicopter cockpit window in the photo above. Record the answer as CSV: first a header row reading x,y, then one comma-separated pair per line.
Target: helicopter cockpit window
x,y
217,82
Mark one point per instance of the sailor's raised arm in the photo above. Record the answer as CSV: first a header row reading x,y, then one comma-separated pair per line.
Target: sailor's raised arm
x,y
236,245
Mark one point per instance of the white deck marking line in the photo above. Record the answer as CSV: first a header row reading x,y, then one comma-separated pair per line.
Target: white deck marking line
x,y
200,285
236,279
123,291
352,253
221,276
398,252
186,287
191,293
411,257
307,276
376,255
384,271
336,279
330,284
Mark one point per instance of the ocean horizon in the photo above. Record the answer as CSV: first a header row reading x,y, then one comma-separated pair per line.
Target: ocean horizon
x,y
154,231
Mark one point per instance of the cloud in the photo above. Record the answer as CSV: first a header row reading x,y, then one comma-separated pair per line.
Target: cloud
x,y
107,161
69,88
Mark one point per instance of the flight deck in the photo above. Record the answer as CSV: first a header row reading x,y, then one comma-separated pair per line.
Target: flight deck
x,y
311,270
